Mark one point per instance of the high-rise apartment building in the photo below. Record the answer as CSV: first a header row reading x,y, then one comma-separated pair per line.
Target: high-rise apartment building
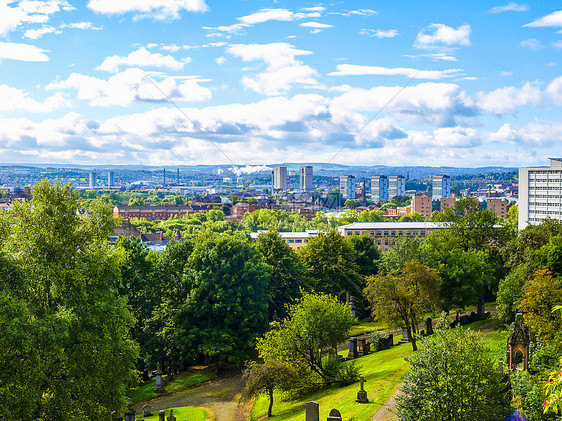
x,y
441,187
379,188
306,178
348,185
110,179
92,180
280,178
396,186
422,205
540,194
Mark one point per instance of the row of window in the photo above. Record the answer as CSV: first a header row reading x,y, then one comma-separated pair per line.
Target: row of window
x,y
391,233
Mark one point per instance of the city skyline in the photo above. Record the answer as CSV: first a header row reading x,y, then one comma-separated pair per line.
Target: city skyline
x,y
467,84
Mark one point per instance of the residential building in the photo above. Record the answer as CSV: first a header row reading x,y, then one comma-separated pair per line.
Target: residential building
x,y
447,202
498,206
156,213
295,240
92,180
306,178
540,194
379,188
280,178
441,187
385,233
348,185
423,205
110,179
396,186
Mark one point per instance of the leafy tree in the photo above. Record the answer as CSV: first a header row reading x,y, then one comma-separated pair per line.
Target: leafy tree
x,y
64,347
226,304
351,204
367,254
452,378
405,249
136,201
287,272
314,326
266,378
510,290
404,299
330,262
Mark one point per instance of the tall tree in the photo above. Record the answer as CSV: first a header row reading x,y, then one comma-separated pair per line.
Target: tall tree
x,y
367,254
64,348
287,272
403,299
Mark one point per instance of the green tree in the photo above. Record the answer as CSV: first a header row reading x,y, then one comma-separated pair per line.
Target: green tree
x,y
452,378
351,204
136,201
403,300
314,326
330,262
226,304
367,254
509,292
287,272
405,249
65,347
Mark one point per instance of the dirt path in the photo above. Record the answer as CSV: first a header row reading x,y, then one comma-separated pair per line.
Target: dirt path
x,y
385,412
220,396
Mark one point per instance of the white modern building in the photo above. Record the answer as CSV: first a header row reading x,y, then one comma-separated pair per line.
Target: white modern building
x,y
348,185
379,188
280,178
540,194
441,187
396,186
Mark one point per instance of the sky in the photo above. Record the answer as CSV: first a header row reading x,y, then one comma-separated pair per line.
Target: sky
x,y
465,83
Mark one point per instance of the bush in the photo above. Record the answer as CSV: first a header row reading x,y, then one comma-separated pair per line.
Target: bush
x,y
340,373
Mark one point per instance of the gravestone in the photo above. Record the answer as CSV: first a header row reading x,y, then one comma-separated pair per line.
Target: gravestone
x,y
159,388
362,394
429,326
363,347
161,415
352,348
312,411
171,417
351,302
146,410
518,344
406,334
130,414
335,415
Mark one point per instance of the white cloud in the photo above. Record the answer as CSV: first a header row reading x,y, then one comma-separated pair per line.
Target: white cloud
x,y
316,25
379,33
220,60
23,52
129,86
531,43
82,25
357,12
557,44
433,56
28,11
159,9
510,7
283,69
14,99
357,70
506,100
38,33
554,90
552,20
438,35
143,58
284,15
505,73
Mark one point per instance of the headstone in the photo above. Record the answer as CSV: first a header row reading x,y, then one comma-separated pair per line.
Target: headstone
x,y
405,334
130,414
362,346
429,326
159,388
362,394
335,415
146,410
480,309
171,417
161,415
352,348
312,411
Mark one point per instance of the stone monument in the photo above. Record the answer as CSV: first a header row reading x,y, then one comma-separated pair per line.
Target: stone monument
x,y
312,411
362,394
130,414
518,344
335,415
159,388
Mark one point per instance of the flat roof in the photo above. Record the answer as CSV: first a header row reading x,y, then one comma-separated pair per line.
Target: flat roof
x,y
393,225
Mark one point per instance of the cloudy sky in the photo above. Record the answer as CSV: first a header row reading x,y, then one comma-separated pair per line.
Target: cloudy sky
x,y
167,82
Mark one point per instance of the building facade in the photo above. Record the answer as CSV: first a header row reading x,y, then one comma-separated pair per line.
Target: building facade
x,y
396,186
280,178
441,187
422,205
498,206
379,188
348,185
306,178
540,194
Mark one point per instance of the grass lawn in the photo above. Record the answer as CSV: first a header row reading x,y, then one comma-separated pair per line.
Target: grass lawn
x,y
382,371
186,413
184,380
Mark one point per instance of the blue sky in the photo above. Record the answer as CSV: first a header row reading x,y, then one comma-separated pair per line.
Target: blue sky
x,y
461,83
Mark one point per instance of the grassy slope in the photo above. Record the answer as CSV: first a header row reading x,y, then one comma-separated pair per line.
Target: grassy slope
x,y
382,371
186,413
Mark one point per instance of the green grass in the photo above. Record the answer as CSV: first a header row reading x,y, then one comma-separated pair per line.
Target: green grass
x,y
184,380
186,413
366,326
382,370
